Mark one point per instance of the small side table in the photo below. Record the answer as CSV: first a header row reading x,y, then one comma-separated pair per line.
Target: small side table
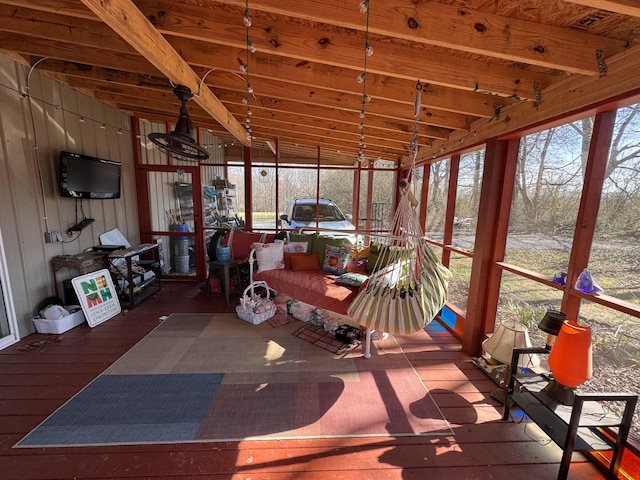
x,y
82,262
225,269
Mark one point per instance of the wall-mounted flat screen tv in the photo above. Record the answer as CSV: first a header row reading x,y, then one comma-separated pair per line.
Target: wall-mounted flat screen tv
x,y
82,176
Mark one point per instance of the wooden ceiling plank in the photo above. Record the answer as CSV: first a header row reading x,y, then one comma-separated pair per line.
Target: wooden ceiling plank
x,y
384,151
269,91
163,100
625,7
93,34
217,25
138,98
72,8
461,29
130,24
210,26
558,101
58,50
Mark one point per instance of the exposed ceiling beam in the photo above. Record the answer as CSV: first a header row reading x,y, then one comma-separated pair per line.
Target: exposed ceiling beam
x,y
324,45
461,29
102,47
129,23
558,101
626,7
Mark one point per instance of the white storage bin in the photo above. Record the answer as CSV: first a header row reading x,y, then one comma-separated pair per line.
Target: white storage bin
x,y
60,325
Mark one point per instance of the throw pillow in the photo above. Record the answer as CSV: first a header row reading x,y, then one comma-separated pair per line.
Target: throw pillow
x,y
288,255
357,266
305,262
242,242
335,259
270,256
321,242
352,279
297,247
303,237
359,253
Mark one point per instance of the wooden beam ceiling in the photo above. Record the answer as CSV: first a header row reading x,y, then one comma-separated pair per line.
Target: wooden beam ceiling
x,y
130,24
486,68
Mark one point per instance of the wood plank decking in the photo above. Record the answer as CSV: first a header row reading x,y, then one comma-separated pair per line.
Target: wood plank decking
x,y
40,373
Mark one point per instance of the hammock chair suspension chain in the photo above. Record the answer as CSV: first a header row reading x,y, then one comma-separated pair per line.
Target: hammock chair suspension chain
x,y
414,138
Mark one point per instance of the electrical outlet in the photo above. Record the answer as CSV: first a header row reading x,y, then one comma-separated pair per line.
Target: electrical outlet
x,y
52,237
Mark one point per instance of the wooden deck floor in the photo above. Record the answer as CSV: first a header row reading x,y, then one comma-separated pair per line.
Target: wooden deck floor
x,y
41,372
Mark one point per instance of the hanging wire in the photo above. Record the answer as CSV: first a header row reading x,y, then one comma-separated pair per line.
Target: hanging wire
x,y
413,145
35,142
245,69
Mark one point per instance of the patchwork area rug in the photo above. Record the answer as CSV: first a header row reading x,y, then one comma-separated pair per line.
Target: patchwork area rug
x,y
215,377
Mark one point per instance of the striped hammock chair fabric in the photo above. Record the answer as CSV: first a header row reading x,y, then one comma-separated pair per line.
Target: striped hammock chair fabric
x,y
409,285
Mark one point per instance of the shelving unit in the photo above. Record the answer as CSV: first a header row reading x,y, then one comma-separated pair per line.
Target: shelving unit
x,y
136,279
574,428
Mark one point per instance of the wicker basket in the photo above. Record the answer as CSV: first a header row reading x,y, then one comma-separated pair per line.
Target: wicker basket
x,y
247,313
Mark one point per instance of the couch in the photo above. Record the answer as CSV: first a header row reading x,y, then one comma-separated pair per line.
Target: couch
x,y
310,268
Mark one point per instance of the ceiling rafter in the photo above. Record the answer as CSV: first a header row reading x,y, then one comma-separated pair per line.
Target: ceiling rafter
x,y
486,68
461,29
626,7
129,23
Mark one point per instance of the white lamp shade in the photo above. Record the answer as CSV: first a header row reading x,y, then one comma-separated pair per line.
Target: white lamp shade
x,y
509,335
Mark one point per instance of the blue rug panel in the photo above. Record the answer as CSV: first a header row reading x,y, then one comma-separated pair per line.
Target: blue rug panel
x,y
153,408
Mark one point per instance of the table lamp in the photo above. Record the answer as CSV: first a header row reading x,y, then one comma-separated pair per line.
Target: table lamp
x,y
570,361
509,335
551,323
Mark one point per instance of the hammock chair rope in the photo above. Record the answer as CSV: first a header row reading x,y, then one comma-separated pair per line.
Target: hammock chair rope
x,y
409,285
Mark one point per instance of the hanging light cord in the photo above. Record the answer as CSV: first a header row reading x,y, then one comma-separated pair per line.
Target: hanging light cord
x,y
362,78
35,143
245,68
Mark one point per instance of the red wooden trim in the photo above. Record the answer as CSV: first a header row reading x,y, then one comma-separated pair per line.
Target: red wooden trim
x,y
530,274
608,301
485,282
452,190
248,187
142,184
501,230
595,172
424,196
369,200
355,201
277,165
202,269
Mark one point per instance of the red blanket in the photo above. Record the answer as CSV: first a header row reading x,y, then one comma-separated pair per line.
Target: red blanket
x,y
314,287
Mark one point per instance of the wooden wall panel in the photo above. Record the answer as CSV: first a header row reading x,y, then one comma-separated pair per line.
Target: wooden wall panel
x,y
28,187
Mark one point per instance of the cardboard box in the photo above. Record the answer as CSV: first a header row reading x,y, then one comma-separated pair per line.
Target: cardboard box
x,y
61,325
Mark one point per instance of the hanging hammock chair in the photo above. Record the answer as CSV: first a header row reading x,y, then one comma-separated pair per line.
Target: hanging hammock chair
x,y
409,285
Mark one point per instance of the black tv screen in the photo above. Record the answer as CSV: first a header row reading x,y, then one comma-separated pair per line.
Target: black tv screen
x,y
82,176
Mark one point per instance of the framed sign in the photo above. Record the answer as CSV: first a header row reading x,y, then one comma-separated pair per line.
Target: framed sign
x,y
97,295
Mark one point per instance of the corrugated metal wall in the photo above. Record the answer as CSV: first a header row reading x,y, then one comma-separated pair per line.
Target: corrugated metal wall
x,y
64,120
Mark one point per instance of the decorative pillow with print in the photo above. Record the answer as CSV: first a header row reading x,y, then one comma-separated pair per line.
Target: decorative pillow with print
x,y
270,256
352,279
335,259
296,247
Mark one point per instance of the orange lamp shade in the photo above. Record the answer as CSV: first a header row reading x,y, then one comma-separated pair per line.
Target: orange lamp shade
x,y
570,359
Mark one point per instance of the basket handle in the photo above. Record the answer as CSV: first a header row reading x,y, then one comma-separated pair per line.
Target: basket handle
x,y
257,283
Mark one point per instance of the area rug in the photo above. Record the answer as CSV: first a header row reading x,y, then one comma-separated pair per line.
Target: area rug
x,y
215,377
318,336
